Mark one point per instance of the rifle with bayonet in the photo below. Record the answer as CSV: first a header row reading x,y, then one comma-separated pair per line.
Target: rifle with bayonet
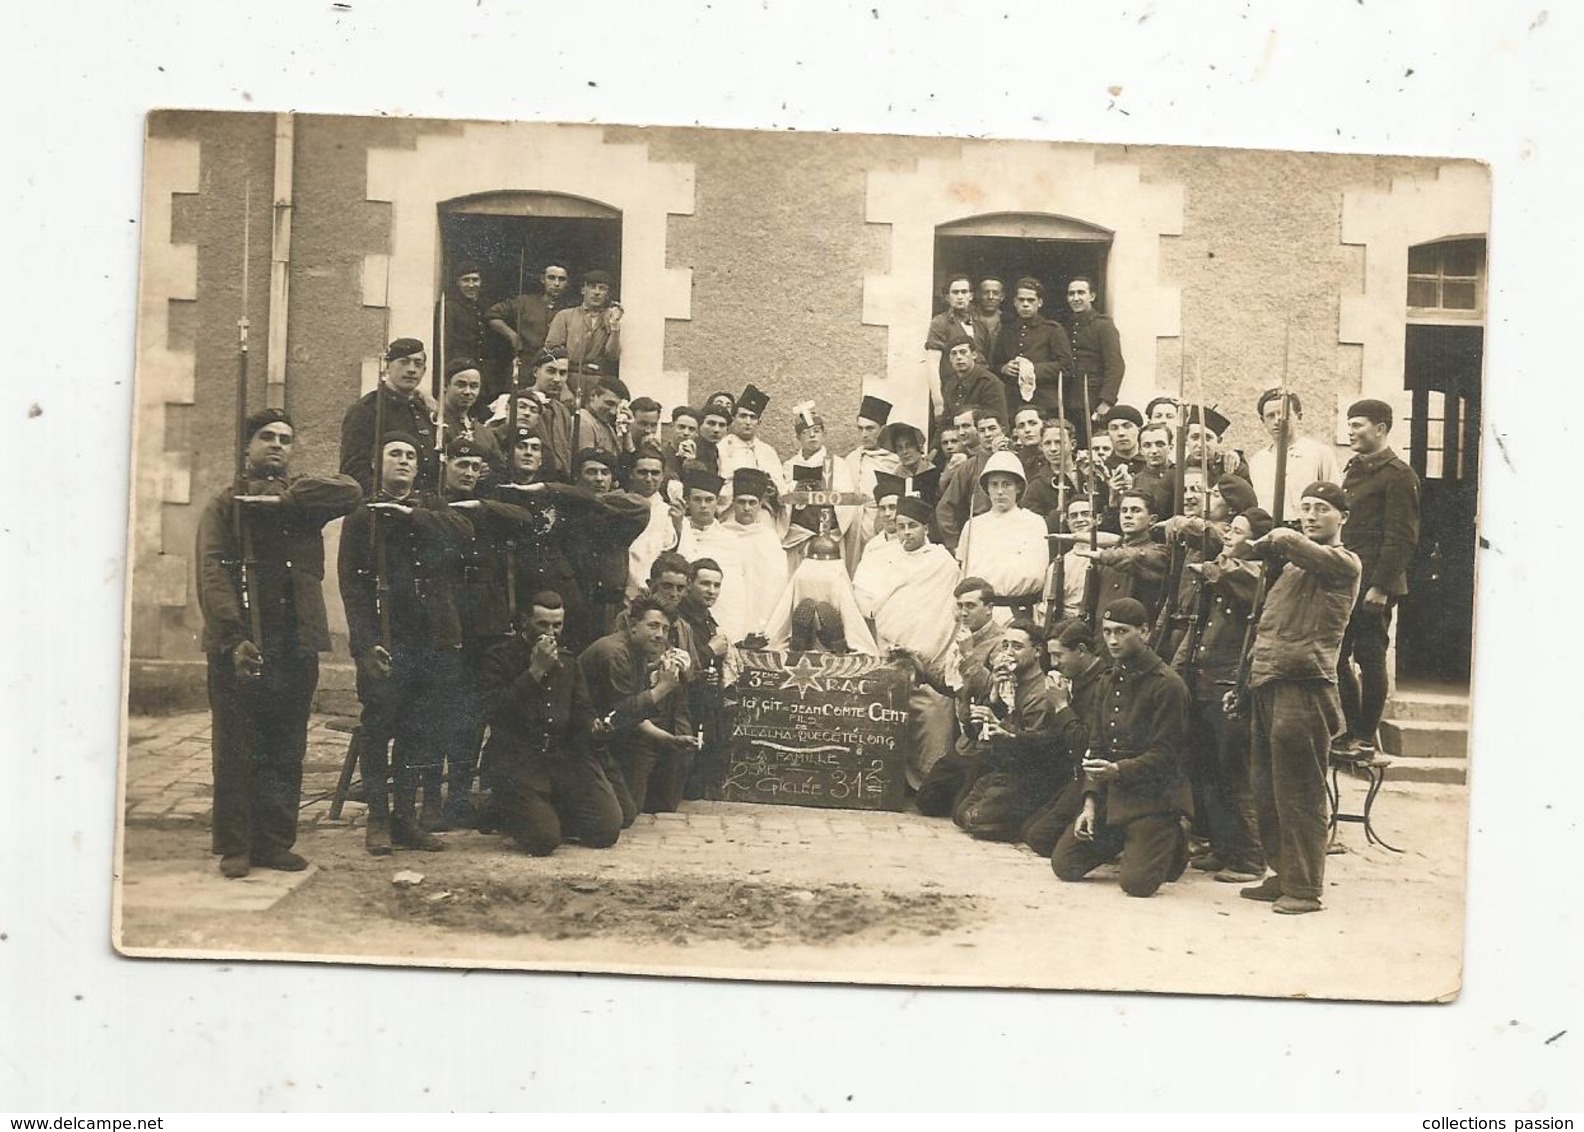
x,y
1168,617
1283,433
241,529
1091,598
1056,577
381,582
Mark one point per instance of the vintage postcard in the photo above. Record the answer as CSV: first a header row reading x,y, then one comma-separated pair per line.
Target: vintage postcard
x,y
823,557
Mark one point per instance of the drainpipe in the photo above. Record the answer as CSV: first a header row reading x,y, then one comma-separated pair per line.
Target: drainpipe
x,y
280,261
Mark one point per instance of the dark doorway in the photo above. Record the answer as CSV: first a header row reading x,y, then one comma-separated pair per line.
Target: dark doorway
x,y
511,236
1442,369
1052,249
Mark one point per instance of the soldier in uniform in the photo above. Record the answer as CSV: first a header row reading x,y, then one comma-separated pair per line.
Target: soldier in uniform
x,y
485,602
465,330
405,411
546,785
1208,658
260,691
1135,787
1293,707
1097,350
1136,567
1383,530
638,682
706,707
397,560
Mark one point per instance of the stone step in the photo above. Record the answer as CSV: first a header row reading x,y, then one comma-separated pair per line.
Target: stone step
x,y
1454,771
1416,739
1428,707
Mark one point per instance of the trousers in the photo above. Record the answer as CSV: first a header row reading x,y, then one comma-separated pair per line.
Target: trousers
x,y
553,799
1290,737
1363,691
648,777
1218,765
258,737
1154,850
408,721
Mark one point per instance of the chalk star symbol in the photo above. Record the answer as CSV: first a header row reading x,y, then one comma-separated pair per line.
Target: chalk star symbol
x,y
804,676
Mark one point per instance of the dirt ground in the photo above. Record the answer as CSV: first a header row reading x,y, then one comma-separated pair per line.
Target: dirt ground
x,y
747,891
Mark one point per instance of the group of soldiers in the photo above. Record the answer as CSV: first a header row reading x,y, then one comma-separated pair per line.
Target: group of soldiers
x,y
1125,639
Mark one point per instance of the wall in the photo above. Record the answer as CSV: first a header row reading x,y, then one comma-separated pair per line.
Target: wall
x,y
773,241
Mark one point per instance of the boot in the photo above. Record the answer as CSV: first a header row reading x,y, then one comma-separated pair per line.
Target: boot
x,y
431,818
406,832
377,838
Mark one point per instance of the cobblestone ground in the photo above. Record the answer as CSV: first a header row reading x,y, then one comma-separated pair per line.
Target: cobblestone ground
x,y
915,899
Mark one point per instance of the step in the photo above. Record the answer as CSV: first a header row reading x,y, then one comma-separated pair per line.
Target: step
x,y
1415,739
1453,771
1428,707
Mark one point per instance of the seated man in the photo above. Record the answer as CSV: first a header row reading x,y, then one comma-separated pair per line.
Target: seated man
x,y
1028,741
638,685
1135,788
545,783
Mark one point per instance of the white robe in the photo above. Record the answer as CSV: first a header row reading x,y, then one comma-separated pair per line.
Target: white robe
x,y
1008,550
820,579
764,571
862,465
909,595
1308,460
655,539
731,610
735,452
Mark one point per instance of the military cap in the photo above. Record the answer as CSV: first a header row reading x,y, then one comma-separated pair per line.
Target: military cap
x,y
598,277
463,446
1376,412
598,456
403,348
1236,493
1127,611
1329,492
267,417
1124,413
401,437
458,365
466,267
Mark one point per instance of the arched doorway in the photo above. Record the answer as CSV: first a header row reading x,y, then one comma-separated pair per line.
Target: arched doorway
x,y
511,236
1010,245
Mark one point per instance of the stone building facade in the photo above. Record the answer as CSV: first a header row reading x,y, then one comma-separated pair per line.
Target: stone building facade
x,y
808,264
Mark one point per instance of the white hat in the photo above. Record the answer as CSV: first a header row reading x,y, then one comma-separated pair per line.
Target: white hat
x,y
1004,462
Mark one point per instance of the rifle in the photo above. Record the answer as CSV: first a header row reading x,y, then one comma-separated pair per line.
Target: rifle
x,y
1091,598
511,477
1283,434
1202,605
438,384
1179,554
1056,577
241,529
1240,684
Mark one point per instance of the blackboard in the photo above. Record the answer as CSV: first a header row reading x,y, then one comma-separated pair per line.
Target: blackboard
x,y
813,729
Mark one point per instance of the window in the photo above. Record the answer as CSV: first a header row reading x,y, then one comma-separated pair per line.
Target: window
x,y
1446,279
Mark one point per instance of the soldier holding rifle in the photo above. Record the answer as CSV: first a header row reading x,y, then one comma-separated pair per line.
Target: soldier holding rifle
x,y
1291,694
260,555
406,638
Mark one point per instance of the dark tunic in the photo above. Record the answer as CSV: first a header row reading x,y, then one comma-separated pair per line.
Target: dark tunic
x,y
1383,518
408,415
1042,342
1097,358
1139,722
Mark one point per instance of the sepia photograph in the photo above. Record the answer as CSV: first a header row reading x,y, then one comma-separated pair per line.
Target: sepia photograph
x,y
800,556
